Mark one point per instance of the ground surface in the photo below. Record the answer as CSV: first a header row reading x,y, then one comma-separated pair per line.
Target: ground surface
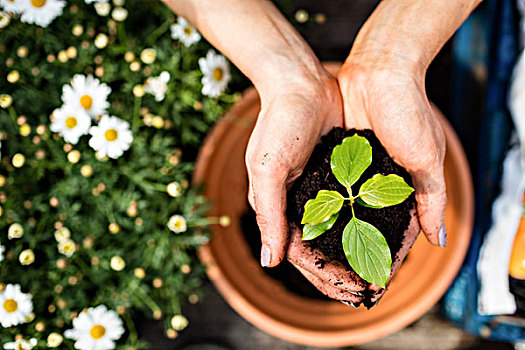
x,y
215,326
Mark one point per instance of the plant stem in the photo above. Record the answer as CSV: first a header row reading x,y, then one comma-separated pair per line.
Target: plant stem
x,y
153,36
136,114
131,328
13,115
147,300
349,190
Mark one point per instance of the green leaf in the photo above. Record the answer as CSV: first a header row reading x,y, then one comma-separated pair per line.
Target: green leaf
x,y
320,209
350,159
367,252
313,231
360,202
382,191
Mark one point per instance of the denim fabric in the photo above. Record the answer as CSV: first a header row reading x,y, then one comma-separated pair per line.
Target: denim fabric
x,y
489,37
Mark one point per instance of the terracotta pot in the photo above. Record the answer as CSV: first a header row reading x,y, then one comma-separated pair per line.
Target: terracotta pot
x,y
418,285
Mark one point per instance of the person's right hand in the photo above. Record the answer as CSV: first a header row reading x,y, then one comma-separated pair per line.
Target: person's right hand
x,y
334,279
297,109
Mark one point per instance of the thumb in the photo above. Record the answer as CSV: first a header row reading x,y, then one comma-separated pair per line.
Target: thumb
x,y
268,198
431,199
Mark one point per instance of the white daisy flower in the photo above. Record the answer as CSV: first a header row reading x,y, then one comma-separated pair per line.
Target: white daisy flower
x,y
15,231
14,6
111,137
216,74
102,8
26,257
96,329
179,322
41,12
184,32
119,14
101,41
21,344
87,93
67,247
62,234
157,86
70,122
177,223
54,340
5,19
15,306
117,263
174,189
148,55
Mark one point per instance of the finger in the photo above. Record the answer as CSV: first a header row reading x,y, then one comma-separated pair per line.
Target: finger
x,y
429,182
349,298
267,197
432,200
408,241
316,263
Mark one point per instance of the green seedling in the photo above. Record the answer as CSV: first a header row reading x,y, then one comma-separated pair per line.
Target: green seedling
x,y
364,245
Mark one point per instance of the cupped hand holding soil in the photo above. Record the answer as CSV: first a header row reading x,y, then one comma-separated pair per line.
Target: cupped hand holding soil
x,y
333,278
322,260
292,119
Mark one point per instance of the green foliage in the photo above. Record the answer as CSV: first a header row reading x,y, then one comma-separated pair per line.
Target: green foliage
x,y
367,251
312,231
49,191
350,159
365,247
382,191
320,209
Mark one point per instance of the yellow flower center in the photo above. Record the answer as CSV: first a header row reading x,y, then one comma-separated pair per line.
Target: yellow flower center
x,y
38,3
97,331
188,30
218,73
178,224
86,101
71,122
111,135
10,305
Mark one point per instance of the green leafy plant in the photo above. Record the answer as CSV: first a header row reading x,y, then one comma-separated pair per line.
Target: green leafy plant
x,y
364,245
79,230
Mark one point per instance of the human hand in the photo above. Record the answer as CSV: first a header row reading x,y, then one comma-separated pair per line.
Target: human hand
x,y
295,112
393,103
333,279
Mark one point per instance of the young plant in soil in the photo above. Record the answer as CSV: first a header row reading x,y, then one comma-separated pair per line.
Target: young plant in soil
x,y
365,247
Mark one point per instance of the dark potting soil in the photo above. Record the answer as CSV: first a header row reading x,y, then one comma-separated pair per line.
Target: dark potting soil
x,y
317,175
285,273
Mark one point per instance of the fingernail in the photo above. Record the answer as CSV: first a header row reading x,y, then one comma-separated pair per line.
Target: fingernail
x,y
443,236
266,255
348,303
359,294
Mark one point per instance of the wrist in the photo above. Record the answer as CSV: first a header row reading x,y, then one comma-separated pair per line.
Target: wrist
x,y
389,39
382,49
295,70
